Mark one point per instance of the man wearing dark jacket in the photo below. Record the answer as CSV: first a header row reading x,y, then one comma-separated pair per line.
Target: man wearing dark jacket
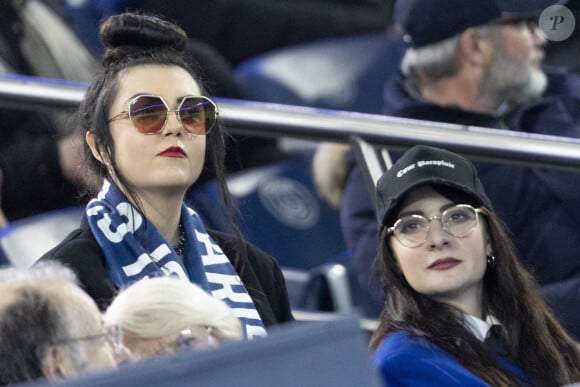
x,y
477,64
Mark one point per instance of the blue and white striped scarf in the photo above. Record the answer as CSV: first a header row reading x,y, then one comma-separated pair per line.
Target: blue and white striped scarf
x,y
134,249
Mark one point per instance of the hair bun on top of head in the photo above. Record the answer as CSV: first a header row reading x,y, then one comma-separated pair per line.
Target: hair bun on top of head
x,y
127,33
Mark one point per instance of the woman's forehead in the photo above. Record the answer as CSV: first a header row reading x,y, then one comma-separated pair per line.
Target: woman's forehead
x,y
420,195
163,80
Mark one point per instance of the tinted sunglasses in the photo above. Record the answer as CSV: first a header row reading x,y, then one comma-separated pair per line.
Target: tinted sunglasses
x,y
148,113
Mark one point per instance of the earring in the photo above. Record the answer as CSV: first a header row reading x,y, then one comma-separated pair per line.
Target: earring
x,y
491,261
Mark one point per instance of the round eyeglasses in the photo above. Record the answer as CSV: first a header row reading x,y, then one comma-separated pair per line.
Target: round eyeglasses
x,y
457,221
148,113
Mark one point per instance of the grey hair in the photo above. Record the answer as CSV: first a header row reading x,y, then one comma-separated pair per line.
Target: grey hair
x,y
49,270
437,60
161,306
32,318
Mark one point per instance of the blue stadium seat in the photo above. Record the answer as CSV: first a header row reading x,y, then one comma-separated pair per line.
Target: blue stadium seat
x,y
25,240
282,214
346,73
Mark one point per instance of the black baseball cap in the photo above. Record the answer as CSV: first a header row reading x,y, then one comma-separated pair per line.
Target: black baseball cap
x,y
429,21
426,165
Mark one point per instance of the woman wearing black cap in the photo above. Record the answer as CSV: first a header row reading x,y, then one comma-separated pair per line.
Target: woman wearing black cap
x,y
460,309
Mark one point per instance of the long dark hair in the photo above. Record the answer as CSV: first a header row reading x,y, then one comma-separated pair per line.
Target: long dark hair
x,y
135,39
533,338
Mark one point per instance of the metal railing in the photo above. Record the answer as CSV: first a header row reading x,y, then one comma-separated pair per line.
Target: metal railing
x,y
274,120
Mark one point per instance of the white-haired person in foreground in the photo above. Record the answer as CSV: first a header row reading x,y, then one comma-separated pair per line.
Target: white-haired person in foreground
x,y
164,315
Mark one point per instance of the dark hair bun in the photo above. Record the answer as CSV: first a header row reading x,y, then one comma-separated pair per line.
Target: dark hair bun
x,y
128,33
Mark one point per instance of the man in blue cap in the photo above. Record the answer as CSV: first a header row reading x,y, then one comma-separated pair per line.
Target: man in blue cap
x,y
479,63
478,57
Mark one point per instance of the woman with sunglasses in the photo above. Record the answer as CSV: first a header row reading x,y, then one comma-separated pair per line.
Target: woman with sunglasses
x,y
460,309
149,132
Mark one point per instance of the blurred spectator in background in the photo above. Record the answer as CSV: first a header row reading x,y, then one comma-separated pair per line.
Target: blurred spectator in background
x,y
39,159
164,315
49,327
475,63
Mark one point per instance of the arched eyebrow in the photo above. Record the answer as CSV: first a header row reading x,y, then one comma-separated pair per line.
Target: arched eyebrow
x,y
422,213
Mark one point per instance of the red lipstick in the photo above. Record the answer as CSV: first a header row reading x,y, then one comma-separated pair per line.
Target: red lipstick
x,y
173,151
444,264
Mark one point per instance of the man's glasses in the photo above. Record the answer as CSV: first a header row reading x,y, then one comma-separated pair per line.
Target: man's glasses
x,y
148,113
112,336
457,221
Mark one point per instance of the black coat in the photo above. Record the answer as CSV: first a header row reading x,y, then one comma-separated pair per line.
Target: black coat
x,y
260,274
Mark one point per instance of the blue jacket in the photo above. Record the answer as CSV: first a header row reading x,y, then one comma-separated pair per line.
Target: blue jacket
x,y
539,206
405,360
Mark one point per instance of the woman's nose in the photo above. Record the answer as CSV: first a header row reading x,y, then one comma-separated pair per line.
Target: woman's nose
x,y
436,236
172,124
